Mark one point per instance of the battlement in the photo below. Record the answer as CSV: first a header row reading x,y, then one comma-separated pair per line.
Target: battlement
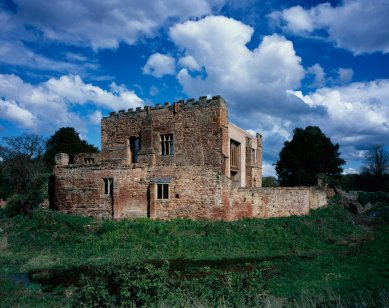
x,y
190,103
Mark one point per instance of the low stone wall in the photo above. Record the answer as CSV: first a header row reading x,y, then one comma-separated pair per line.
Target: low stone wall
x,y
266,202
194,192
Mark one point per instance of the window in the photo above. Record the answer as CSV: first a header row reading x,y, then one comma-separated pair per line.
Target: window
x,y
108,187
163,191
166,144
134,144
253,156
89,160
234,159
234,155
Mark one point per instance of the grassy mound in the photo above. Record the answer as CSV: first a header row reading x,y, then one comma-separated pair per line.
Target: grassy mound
x,y
54,259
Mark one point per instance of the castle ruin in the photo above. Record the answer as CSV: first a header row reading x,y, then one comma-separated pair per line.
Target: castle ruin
x,y
184,160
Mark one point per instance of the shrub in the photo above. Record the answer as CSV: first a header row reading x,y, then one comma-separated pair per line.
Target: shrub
x,y
32,199
372,197
14,205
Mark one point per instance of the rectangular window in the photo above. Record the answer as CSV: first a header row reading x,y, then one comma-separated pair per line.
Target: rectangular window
x,y
89,161
253,156
166,144
163,191
108,186
234,155
134,144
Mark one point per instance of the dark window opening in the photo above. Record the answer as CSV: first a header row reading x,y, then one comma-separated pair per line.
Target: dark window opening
x,y
233,176
89,160
166,144
134,144
234,156
108,186
162,191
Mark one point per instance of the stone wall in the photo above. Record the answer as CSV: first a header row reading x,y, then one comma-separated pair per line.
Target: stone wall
x,y
197,128
195,192
266,202
118,184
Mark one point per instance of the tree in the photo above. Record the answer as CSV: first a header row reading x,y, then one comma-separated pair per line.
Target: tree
x,y
21,163
269,181
376,162
66,140
308,154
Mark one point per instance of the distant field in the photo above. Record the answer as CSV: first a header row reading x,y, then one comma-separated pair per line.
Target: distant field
x,y
328,258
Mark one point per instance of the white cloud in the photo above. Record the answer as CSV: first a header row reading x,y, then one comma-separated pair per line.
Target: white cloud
x,y
345,75
296,18
357,114
350,171
96,117
253,82
159,65
319,75
49,104
104,24
268,170
15,53
356,25
256,79
11,111
189,62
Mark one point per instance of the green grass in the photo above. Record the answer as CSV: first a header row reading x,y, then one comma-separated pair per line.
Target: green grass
x,y
242,263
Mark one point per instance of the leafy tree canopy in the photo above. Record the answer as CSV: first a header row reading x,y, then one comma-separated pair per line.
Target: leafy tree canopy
x,y
308,154
20,163
66,140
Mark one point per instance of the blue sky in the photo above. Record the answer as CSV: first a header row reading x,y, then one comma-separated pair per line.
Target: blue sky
x,y
278,64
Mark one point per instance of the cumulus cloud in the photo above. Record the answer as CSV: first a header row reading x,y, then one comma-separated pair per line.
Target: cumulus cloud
x,y
260,86
104,24
357,114
345,75
10,110
96,117
248,79
252,81
49,104
319,75
370,24
189,62
159,65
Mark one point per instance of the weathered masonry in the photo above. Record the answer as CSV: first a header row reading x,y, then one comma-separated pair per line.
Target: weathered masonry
x,y
183,160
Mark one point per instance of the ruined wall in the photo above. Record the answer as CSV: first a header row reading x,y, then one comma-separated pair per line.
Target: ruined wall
x,y
266,202
81,189
110,185
196,126
196,192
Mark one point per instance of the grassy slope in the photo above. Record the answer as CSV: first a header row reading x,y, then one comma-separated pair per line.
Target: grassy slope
x,y
325,250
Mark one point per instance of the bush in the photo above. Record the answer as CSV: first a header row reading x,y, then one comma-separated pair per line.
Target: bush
x,y
123,284
14,205
32,199
372,197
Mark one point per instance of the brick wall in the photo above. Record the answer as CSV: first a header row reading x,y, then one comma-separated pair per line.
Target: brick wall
x,y
197,174
195,192
197,128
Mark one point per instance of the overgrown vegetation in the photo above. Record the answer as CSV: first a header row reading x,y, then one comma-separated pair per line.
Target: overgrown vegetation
x,y
326,258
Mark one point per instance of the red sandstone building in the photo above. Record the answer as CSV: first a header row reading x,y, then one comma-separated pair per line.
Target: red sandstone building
x,y
174,161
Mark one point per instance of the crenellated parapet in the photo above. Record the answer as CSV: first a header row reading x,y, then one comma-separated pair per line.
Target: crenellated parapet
x,y
188,104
